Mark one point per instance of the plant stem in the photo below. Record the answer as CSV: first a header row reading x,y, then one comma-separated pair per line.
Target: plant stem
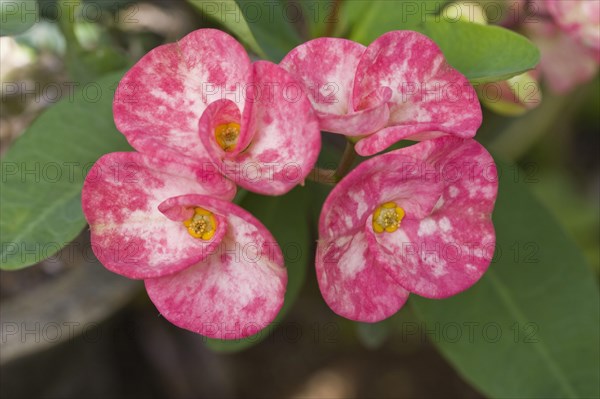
x,y
323,176
66,22
346,162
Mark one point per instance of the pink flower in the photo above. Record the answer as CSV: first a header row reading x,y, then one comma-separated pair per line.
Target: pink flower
x,y
400,87
208,265
414,220
579,18
201,101
568,36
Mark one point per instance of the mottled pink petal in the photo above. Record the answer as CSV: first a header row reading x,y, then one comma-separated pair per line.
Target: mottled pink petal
x,y
286,139
426,91
578,18
160,99
565,63
357,123
403,178
236,291
326,68
449,250
383,138
130,236
352,283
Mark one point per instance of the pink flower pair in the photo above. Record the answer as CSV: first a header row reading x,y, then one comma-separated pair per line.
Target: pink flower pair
x,y
416,219
198,109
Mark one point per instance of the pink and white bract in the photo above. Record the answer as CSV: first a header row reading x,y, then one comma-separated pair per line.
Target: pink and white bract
x,y
569,41
414,220
209,266
579,18
399,87
202,101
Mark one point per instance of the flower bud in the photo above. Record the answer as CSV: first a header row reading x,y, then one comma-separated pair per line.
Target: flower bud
x,y
511,97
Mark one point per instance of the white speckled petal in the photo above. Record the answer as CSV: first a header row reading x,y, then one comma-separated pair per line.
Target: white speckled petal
x,y
427,93
352,283
235,292
326,68
401,176
160,99
578,18
130,235
448,250
286,139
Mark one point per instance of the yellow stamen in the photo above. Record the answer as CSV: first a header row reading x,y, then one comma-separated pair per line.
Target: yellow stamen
x,y
202,224
387,217
227,135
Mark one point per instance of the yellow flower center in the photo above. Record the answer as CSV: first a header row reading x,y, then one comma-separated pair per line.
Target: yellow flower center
x,y
202,224
227,135
387,217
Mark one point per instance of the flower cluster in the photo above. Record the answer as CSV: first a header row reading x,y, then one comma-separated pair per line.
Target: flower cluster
x,y
417,219
196,110
200,116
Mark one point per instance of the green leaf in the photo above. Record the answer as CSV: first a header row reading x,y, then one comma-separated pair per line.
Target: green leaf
x,y
17,16
286,218
369,19
320,17
228,14
265,27
90,49
43,172
271,23
530,327
480,52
